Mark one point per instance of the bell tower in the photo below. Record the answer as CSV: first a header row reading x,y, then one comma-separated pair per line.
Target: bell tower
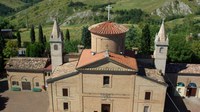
x,y
161,47
56,46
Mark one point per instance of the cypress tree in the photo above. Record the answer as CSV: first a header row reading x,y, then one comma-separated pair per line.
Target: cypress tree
x,y
44,39
145,40
41,40
86,37
67,35
32,34
18,39
2,43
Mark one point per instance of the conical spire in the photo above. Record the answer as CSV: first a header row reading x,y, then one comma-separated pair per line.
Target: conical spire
x,y
56,30
161,33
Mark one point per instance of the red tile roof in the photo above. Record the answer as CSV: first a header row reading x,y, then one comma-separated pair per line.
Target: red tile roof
x,y
108,28
87,58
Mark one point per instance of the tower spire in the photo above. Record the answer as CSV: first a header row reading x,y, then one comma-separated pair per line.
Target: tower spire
x,y
161,33
55,30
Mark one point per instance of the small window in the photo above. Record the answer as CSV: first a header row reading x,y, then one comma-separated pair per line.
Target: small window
x,y
147,95
65,92
161,49
146,108
15,83
45,73
106,80
37,84
65,106
48,73
55,47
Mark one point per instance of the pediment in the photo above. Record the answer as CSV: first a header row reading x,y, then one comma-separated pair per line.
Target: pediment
x,y
107,64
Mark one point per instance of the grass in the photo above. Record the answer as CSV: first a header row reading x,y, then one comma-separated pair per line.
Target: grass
x,y
75,32
43,11
180,21
12,3
146,5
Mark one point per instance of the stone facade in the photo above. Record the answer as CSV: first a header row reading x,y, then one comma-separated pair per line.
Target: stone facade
x,y
87,93
26,81
112,43
105,78
27,74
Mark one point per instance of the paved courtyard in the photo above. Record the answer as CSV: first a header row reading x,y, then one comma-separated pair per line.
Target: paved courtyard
x,y
11,101
192,104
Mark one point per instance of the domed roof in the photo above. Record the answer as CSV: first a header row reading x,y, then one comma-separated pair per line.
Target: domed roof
x,y
108,28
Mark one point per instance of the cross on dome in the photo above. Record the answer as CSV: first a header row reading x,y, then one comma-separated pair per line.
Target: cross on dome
x,y
109,8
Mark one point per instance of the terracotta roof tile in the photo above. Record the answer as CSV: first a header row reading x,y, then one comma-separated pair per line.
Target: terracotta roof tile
x,y
154,75
108,27
27,63
87,58
64,69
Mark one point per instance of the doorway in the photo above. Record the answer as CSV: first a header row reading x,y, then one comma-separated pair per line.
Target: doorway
x,y
191,92
105,108
191,89
26,86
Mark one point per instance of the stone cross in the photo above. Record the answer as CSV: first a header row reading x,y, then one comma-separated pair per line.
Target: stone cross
x,y
109,8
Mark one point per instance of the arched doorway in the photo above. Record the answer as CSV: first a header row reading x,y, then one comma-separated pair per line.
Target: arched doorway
x,y
26,84
191,89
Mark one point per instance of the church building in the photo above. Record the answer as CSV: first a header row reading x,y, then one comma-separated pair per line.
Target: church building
x,y
107,77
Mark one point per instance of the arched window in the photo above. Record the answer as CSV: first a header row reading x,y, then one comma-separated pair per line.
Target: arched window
x,y
192,85
55,47
180,84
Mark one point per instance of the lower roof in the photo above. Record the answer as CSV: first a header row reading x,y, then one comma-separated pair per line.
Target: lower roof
x,y
27,63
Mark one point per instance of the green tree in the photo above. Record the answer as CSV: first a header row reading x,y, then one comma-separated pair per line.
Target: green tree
x,y
5,24
180,52
2,44
47,49
145,40
67,35
196,50
41,40
132,39
11,49
86,37
71,46
1,52
32,34
18,39
44,39
35,50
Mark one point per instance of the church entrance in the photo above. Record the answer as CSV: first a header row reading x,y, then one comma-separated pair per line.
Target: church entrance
x,y
191,90
105,108
26,86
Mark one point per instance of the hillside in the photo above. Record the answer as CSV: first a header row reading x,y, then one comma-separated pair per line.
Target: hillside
x,y
12,3
79,11
9,7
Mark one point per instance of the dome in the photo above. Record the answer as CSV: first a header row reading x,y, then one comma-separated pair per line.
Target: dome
x,y
108,28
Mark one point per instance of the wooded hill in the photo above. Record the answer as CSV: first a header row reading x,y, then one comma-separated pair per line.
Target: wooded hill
x,y
26,12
